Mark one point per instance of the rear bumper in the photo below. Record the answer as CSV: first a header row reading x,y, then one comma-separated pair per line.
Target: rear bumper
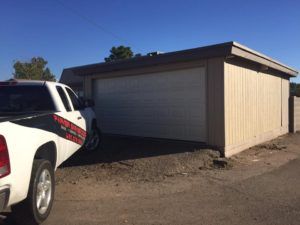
x,y
4,196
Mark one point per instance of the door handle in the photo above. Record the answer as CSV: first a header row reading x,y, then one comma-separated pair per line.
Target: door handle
x,y
79,117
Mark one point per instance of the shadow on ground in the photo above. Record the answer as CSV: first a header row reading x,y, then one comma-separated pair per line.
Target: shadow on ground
x,y
118,148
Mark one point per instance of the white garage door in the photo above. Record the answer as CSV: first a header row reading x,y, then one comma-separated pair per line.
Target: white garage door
x,y
168,105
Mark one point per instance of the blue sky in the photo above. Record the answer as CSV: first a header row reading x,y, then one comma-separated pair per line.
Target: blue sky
x,y
66,34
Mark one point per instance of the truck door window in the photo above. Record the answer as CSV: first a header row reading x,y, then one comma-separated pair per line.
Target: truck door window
x,y
74,99
64,98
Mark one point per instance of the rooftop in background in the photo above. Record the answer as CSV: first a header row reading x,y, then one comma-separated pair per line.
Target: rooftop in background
x,y
227,49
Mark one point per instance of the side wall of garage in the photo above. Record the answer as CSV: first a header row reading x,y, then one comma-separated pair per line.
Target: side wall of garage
x,y
256,105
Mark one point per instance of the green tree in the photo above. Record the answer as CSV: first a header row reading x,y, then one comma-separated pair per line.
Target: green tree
x,y
120,52
34,70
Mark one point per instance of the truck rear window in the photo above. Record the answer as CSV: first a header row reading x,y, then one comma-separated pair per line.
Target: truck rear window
x,y
16,99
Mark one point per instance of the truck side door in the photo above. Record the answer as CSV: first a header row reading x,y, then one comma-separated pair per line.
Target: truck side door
x,y
64,118
78,128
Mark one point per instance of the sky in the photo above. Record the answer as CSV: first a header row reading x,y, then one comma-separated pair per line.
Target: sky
x,y
77,32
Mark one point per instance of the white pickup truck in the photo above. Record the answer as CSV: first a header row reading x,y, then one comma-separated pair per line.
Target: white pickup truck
x,y
41,125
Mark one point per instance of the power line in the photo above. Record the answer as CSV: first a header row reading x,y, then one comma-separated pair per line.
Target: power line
x,y
92,22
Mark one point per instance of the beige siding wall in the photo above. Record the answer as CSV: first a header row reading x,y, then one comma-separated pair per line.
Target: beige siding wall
x,y
295,114
256,106
215,102
285,103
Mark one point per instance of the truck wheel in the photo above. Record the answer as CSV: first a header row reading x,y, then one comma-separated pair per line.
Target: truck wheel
x,y
94,139
37,206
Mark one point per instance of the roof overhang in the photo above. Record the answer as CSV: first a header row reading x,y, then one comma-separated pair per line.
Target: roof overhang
x,y
226,49
249,54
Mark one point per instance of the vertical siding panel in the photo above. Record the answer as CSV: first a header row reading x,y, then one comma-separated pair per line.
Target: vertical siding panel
x,y
245,121
215,101
234,90
232,113
239,103
242,102
237,87
226,104
258,99
253,103
255,87
285,103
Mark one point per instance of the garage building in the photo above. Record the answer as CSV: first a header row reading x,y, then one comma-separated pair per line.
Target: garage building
x,y
226,95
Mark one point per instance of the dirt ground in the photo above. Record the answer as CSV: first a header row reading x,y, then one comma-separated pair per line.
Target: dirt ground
x,y
136,160
152,182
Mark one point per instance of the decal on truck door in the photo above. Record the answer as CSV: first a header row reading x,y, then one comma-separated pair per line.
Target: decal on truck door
x,y
55,124
73,132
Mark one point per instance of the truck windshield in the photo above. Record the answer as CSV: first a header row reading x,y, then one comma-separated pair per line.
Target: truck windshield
x,y
16,99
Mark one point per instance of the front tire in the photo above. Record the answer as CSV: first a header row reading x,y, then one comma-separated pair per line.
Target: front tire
x,y
93,140
37,206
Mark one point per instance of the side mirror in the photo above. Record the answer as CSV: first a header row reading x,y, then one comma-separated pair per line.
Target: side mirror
x,y
89,103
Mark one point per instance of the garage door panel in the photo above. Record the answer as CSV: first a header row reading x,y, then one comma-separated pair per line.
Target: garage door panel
x,y
164,105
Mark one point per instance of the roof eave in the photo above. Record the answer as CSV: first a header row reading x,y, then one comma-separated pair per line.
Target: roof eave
x,y
218,50
249,54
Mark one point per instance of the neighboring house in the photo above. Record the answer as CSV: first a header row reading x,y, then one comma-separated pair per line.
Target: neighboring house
x,y
225,95
75,82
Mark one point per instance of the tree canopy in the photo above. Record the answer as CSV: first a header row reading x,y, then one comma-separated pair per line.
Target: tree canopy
x,y
34,70
120,52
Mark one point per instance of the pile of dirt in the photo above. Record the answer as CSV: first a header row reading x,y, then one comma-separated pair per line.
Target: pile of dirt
x,y
222,163
148,169
274,145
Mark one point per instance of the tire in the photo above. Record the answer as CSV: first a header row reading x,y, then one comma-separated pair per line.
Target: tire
x,y
27,212
93,140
